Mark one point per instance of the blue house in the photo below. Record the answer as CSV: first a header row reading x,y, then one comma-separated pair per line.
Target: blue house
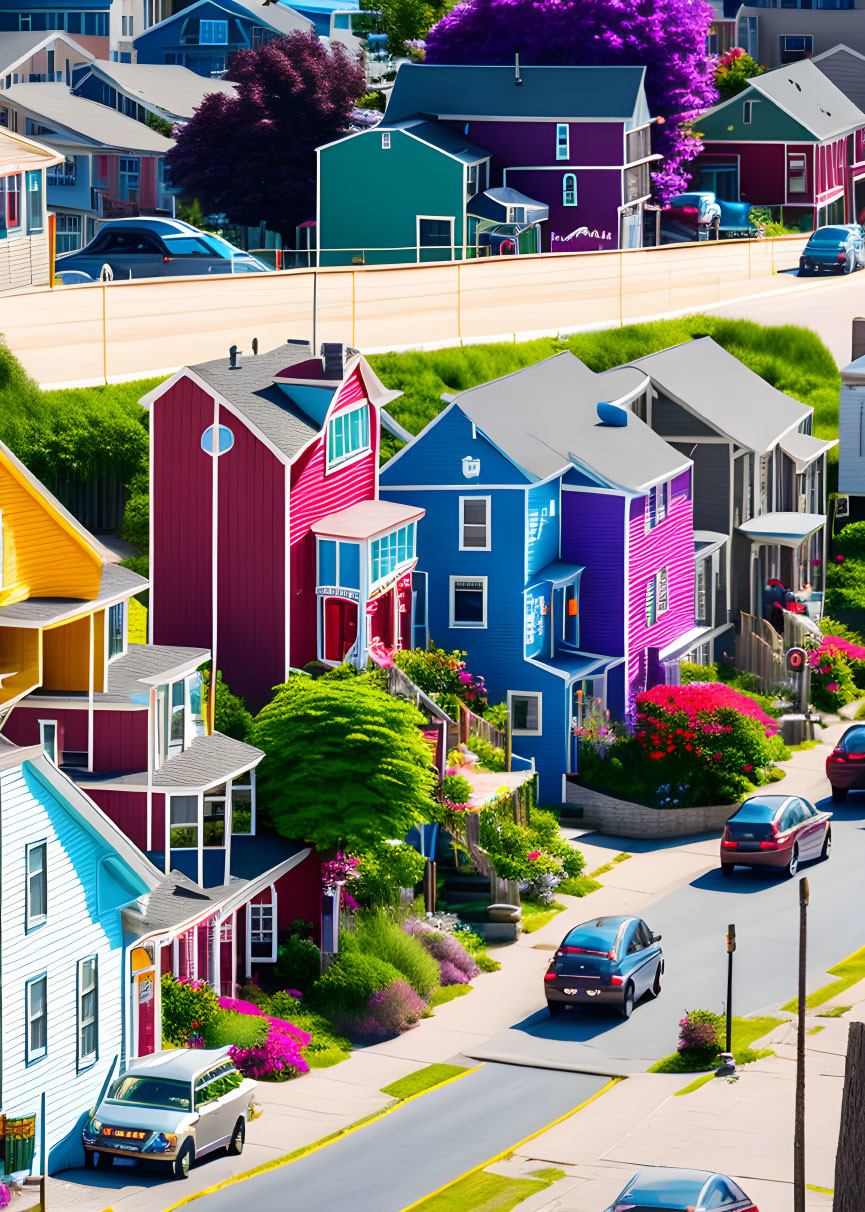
x,y
558,546
68,874
204,36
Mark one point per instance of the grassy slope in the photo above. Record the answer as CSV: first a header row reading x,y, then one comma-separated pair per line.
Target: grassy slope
x,y
422,1079
485,1192
745,1031
849,972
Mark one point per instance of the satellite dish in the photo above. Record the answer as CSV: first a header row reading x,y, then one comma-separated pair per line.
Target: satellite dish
x,y
612,414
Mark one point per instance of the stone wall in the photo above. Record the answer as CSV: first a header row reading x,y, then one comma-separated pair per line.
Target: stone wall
x,y
620,818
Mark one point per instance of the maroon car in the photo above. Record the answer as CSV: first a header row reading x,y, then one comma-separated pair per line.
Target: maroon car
x,y
777,832
845,765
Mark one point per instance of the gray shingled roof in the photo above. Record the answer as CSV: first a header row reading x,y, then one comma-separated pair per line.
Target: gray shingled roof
x,y
177,899
722,391
116,582
95,123
846,69
544,418
170,88
558,93
145,665
809,96
208,760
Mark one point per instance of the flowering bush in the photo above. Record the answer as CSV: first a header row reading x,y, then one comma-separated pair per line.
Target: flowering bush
x,y
437,671
337,870
277,1059
232,1003
525,853
390,1011
188,1006
445,948
698,1036
733,71
596,732
832,681
452,975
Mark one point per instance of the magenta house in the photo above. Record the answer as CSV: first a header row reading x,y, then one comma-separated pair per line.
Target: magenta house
x,y
269,545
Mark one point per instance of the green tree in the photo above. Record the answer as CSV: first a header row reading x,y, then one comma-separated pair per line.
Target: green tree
x,y
405,20
161,125
733,72
346,763
230,716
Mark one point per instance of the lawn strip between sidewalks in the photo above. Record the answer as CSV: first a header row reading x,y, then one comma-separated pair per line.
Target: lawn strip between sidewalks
x,y
306,1150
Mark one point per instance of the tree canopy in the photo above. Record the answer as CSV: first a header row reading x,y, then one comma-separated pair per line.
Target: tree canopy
x,y
251,156
668,37
346,763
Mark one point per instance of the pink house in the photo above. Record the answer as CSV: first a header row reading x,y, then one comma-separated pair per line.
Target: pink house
x,y
277,551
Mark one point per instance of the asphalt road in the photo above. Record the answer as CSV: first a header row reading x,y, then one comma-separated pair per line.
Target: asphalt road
x,y
395,1161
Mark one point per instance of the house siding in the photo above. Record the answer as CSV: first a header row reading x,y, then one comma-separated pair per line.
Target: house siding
x,y
128,810
73,930
671,420
22,727
120,740
851,431
711,481
593,536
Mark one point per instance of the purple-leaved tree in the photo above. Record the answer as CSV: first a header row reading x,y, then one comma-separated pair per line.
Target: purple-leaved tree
x,y
252,156
667,37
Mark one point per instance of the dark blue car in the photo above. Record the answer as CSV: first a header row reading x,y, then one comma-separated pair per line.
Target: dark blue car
x,y
662,1190
838,249
609,961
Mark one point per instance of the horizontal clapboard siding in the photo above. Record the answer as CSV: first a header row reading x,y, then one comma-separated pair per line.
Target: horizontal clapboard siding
x,y
73,931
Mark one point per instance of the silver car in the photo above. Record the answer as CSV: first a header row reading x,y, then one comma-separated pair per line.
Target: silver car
x,y
172,1108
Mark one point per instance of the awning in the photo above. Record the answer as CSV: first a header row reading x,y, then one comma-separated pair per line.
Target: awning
x,y
366,519
684,643
557,572
707,541
786,529
803,449
573,666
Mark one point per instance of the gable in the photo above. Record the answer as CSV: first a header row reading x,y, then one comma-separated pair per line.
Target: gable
x,y
44,555
437,457
769,123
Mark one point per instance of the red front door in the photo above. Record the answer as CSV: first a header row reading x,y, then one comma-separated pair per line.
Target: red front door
x,y
340,628
146,1003
381,622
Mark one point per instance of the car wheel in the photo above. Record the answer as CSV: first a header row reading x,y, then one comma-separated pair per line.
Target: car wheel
x,y
628,1002
827,845
839,794
793,865
656,983
726,870
181,1164
556,1008
238,1136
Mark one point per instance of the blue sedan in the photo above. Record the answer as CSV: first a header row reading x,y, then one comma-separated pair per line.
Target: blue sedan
x,y
609,961
838,249
682,1191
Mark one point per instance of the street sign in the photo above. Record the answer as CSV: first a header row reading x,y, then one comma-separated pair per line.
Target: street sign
x,y
731,938
796,658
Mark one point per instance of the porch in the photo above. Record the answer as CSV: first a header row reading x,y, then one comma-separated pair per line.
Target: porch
x,y
787,547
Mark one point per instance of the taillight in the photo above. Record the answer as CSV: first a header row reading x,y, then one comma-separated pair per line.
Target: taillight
x,y
611,954
729,844
579,951
839,755
768,845
549,976
842,256
690,210
617,980
507,246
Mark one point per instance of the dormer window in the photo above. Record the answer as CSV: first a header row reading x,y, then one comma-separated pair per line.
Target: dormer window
x,y
347,435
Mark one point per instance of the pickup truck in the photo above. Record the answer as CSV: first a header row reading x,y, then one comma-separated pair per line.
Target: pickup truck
x,y
699,214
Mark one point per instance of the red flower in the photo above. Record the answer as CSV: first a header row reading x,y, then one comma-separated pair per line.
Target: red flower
x,y
747,767
717,757
689,746
655,756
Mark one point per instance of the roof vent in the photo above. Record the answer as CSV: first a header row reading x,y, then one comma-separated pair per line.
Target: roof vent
x,y
333,353
255,347
234,358
612,414
517,77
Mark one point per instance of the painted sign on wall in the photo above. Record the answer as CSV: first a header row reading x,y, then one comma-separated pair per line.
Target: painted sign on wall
x,y
538,619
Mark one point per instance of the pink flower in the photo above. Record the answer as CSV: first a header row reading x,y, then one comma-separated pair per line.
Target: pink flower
x,y
717,757
534,854
832,687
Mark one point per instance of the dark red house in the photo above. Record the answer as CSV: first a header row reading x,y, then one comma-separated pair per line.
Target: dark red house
x,y
276,552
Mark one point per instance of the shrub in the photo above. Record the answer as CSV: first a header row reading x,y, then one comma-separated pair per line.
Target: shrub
x,y
298,962
850,541
380,936
456,789
698,1036
136,515
445,948
452,975
282,1004
497,714
187,1009
491,758
253,993
232,1027
389,1011
543,888
277,1059
350,981
690,672
383,870
486,963
230,715
438,672
832,681
525,853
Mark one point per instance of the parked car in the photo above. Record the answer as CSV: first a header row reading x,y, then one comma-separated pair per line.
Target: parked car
x,y
156,248
702,214
840,249
609,961
663,1190
845,765
775,831
172,1108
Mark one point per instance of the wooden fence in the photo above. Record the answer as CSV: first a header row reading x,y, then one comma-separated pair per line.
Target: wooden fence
x,y
760,650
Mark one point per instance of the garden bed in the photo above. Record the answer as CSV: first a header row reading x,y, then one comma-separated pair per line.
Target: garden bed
x,y
621,818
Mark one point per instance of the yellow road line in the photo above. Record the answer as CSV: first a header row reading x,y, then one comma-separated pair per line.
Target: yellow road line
x,y
306,1150
513,1148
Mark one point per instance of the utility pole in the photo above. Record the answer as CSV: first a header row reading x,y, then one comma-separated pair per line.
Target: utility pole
x,y
849,1171
799,1136
731,947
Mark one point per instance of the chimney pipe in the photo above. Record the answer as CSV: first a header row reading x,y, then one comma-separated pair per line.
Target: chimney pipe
x,y
255,347
233,355
858,337
517,77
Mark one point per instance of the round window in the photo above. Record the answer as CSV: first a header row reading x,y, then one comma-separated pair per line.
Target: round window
x,y
226,440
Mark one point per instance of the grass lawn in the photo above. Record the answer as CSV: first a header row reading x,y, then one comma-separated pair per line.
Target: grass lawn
x,y
695,1085
447,993
620,858
423,1079
835,1012
485,1192
579,885
816,1030
849,972
803,745
745,1031
536,915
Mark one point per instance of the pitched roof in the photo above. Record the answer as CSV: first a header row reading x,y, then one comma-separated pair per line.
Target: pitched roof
x,y
18,154
58,106
116,583
173,90
545,419
15,46
715,385
559,93
846,69
365,519
808,95
270,13
146,665
208,760
439,137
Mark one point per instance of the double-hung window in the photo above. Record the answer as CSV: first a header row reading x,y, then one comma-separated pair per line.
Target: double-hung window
x,y
36,1011
347,435
657,505
129,178
475,524
10,195
48,739
116,629
88,1033
34,201
562,141
468,605
657,596
183,822
36,896
797,173
262,934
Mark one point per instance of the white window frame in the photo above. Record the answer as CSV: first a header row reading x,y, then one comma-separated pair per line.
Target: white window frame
x,y
55,756
385,140
661,495
800,158
250,908
124,630
87,1060
452,596
463,546
38,1053
525,694
239,785
747,112
197,824
212,798
437,219
563,141
33,920
347,459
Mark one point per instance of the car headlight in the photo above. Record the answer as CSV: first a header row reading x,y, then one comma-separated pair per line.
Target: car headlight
x,y
95,1124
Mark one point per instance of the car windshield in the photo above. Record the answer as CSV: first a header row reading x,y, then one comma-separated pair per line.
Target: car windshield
x,y
673,1194
594,936
144,1091
830,235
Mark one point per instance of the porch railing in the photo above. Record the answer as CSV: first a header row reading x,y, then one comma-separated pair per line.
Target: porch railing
x,y
760,650
470,723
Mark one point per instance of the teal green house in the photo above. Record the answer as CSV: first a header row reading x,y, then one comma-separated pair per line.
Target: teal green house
x,y
373,184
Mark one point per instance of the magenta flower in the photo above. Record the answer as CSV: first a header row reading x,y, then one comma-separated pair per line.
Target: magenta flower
x,y
832,687
534,854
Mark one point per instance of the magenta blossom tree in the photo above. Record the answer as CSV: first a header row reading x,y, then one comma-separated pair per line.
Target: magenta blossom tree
x,y
252,156
667,37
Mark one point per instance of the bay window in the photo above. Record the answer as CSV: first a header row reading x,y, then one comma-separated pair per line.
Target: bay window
x,y
391,551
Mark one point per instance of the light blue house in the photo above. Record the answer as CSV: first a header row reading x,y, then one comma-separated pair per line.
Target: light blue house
x,y
557,544
67,874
